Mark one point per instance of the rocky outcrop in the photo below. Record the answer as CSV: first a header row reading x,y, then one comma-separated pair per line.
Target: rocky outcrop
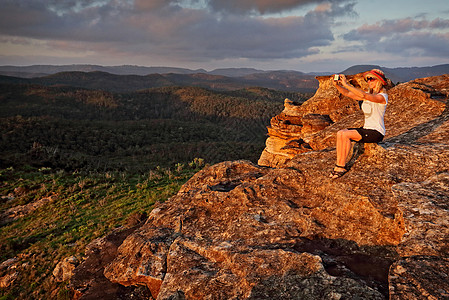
x,y
237,230
64,269
410,104
419,277
20,211
88,280
8,272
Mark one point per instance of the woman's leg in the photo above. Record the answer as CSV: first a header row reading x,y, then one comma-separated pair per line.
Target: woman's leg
x,y
344,138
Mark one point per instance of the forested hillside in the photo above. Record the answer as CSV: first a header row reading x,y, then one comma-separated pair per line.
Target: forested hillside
x,y
78,129
290,81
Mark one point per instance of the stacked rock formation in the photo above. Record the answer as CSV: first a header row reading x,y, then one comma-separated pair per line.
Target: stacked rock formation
x,y
298,128
237,230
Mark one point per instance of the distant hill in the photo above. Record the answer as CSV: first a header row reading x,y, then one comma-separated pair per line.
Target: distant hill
x,y
402,74
396,74
132,78
235,72
43,70
278,80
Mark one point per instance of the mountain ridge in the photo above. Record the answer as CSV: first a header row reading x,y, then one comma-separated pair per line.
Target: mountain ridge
x,y
43,70
129,78
403,73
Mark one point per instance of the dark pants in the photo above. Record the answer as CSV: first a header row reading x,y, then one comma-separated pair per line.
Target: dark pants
x,y
369,135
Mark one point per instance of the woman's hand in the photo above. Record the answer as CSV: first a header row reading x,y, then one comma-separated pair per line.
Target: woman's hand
x,y
335,82
343,80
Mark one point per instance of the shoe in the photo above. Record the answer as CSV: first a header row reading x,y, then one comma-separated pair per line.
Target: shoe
x,y
337,174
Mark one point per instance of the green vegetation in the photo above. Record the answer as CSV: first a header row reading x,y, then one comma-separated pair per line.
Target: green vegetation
x,y
92,159
80,208
75,129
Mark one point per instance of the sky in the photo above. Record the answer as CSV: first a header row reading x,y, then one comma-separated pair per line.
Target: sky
x,y
301,35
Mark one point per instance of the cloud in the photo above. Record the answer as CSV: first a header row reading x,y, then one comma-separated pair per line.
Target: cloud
x,y
191,30
259,6
217,36
407,37
418,44
152,5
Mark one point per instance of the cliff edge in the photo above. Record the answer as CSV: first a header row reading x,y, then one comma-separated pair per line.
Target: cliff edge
x,y
283,230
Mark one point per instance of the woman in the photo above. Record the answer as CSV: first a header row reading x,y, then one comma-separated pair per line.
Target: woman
x,y
373,106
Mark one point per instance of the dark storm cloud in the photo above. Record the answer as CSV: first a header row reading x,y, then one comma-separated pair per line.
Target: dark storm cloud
x,y
68,20
408,37
177,28
262,38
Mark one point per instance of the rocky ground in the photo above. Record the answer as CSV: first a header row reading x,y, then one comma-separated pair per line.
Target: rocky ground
x,y
283,229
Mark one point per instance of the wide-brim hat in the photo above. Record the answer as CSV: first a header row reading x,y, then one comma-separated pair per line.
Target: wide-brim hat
x,y
376,73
